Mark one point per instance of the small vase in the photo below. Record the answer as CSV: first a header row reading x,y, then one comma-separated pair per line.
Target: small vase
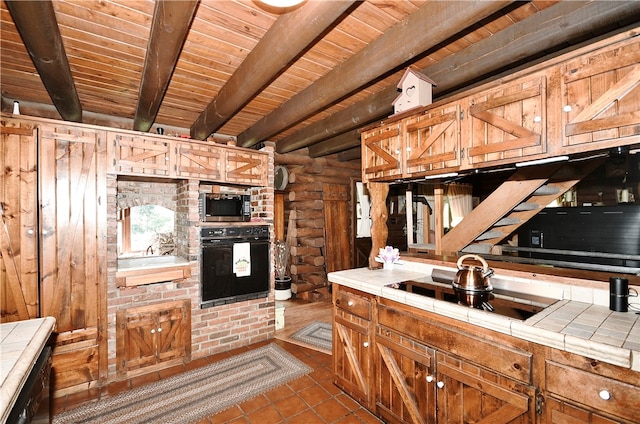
x,y
387,266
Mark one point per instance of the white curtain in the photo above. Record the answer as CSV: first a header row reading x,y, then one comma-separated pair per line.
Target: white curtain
x,y
364,229
460,201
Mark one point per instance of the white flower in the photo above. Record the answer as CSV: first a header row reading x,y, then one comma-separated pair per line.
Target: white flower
x,y
388,254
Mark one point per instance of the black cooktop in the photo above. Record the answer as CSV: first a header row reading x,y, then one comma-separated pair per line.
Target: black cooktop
x,y
503,302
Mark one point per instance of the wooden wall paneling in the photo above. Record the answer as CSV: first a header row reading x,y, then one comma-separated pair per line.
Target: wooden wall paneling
x,y
18,235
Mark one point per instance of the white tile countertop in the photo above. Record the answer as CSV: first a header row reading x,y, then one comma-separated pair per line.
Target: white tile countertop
x,y
20,345
578,326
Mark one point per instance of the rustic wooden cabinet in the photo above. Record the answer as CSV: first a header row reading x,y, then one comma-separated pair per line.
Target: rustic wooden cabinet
x,y
584,101
135,154
428,368
434,366
582,389
152,337
353,343
405,385
158,156
508,122
601,97
65,276
244,166
433,140
383,152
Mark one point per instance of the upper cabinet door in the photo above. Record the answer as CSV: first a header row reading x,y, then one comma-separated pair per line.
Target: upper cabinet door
x,y
140,155
433,140
245,167
198,161
601,97
382,152
508,122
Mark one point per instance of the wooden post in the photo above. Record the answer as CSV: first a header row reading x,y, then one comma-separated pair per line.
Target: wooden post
x,y
379,215
439,224
426,226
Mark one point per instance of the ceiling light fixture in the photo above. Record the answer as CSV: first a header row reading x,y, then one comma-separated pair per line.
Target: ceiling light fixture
x,y
542,161
282,3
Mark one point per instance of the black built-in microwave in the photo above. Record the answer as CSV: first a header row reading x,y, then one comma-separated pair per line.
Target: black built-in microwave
x,y
221,207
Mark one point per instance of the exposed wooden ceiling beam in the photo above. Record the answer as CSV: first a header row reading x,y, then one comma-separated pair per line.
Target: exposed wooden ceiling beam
x,y
549,29
171,22
431,24
271,56
336,144
38,27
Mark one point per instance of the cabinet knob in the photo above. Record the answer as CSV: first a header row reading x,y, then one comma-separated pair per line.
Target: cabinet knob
x,y
429,378
567,108
605,395
30,232
153,330
350,303
365,344
159,330
440,384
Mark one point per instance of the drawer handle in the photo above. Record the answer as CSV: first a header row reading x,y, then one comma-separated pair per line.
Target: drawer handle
x,y
350,303
605,395
429,378
365,344
440,384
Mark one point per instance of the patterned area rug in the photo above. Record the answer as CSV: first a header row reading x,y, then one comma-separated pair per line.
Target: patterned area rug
x,y
193,395
317,334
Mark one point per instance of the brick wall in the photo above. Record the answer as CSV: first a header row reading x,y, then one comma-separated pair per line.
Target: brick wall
x,y
215,329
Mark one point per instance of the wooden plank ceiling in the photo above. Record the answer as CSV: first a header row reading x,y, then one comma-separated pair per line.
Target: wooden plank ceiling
x,y
306,77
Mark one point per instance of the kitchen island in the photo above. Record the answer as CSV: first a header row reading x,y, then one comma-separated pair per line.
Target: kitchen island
x,y
413,358
21,344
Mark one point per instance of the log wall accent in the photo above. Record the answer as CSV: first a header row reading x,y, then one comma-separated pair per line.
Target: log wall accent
x,y
305,215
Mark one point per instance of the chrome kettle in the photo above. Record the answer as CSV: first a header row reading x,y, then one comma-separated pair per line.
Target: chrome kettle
x,y
472,277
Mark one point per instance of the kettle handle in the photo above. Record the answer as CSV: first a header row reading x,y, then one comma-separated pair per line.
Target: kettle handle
x,y
485,265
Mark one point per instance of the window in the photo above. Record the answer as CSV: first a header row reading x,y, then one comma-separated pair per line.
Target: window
x,y
146,230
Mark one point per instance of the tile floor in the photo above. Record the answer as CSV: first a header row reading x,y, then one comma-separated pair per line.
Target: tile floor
x,y
310,399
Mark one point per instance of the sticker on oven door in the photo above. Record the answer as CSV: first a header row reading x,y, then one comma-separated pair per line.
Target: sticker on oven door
x,y
242,259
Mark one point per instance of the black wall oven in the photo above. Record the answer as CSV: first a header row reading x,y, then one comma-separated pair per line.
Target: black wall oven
x,y
235,264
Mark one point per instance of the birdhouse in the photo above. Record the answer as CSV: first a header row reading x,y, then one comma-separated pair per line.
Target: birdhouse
x,y
416,90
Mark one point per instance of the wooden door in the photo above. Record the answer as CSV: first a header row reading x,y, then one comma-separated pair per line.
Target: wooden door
x,y
242,167
142,155
405,379
469,393
73,263
509,122
19,233
174,332
337,227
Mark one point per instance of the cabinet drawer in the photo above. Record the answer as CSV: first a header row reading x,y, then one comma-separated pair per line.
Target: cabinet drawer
x,y
353,303
589,389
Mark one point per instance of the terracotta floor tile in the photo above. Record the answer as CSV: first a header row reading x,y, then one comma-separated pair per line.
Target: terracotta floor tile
x,y
347,401
278,393
322,374
265,415
227,415
293,405
239,420
307,417
331,410
330,387
314,395
367,417
301,383
253,404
